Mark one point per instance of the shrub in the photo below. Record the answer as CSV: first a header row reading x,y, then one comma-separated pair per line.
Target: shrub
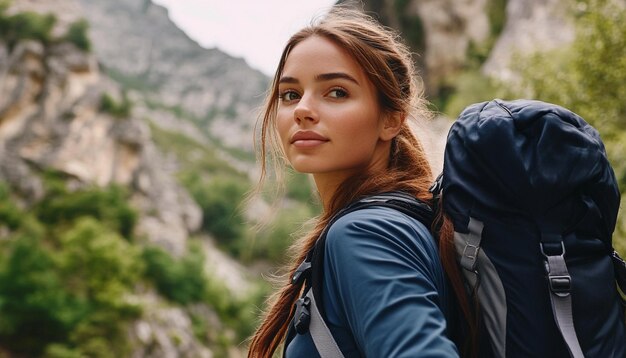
x,y
180,280
220,199
110,205
10,214
116,109
67,291
77,34
35,309
25,25
299,187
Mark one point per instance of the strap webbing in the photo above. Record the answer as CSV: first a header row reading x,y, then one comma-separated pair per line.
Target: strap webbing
x,y
469,255
322,338
559,281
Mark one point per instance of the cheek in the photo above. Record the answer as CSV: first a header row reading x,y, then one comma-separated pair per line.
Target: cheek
x,y
282,127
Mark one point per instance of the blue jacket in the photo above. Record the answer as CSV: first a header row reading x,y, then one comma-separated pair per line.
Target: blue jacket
x,y
384,293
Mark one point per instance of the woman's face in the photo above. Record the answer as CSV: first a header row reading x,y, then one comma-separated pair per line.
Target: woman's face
x,y
328,118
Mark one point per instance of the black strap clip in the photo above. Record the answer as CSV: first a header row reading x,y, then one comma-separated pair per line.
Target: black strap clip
x,y
302,272
302,317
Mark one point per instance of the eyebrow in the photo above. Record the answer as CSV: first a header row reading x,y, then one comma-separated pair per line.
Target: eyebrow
x,y
322,77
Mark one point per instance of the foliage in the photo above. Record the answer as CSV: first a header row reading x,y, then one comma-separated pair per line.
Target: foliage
x,y
10,215
272,242
180,280
120,109
411,25
65,270
77,34
470,87
68,288
109,205
220,200
186,281
589,78
477,53
25,25
299,186
34,26
195,159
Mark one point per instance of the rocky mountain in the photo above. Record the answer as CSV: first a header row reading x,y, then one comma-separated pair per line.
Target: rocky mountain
x,y
50,118
59,112
141,48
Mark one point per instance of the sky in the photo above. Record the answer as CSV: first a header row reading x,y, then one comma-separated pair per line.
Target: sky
x,y
255,30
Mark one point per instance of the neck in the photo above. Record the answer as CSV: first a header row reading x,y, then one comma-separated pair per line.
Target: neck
x,y
327,185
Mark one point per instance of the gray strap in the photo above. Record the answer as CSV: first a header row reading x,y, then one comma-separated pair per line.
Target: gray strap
x,y
322,338
561,298
472,244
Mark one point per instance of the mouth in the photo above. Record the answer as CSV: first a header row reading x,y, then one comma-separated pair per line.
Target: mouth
x,y
307,139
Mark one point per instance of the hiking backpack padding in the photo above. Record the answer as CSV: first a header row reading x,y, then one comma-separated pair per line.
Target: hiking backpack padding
x,y
534,203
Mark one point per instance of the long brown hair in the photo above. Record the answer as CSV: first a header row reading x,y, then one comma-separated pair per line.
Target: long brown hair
x,y
388,65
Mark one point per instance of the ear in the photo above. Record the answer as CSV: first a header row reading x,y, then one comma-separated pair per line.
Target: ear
x,y
391,125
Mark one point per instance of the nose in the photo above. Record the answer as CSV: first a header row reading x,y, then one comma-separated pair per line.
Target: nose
x,y
305,110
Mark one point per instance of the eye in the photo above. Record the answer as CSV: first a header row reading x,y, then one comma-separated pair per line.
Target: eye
x,y
288,96
338,93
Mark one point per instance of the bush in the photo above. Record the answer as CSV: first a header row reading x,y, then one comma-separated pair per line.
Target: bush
x,y
35,309
273,241
77,34
109,205
116,109
299,186
220,199
67,290
25,25
10,214
180,280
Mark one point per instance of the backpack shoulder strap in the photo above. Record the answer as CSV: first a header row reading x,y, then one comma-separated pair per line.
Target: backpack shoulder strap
x,y
311,303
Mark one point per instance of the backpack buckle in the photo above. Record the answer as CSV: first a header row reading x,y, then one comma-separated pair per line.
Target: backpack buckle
x,y
559,279
561,284
301,273
302,317
435,188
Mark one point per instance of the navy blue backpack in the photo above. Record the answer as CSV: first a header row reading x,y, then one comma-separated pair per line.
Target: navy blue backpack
x,y
534,203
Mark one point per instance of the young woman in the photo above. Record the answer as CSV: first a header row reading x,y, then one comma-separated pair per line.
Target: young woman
x,y
339,108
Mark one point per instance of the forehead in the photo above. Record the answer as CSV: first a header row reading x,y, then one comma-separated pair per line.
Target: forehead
x,y
317,54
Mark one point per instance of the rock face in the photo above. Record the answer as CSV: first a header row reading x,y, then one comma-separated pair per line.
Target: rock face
x,y
440,31
140,46
443,31
450,27
532,25
50,118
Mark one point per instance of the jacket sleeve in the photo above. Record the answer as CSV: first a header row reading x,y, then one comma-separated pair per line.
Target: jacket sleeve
x,y
383,281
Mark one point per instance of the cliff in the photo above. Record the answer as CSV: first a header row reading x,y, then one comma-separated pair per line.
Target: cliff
x,y
450,36
50,119
141,48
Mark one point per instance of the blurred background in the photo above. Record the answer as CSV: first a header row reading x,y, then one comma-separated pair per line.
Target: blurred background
x,y
126,152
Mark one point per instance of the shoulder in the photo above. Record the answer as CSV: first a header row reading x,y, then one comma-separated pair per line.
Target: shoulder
x,y
378,222
380,231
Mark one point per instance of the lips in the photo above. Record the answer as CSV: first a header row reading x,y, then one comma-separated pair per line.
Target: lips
x,y
307,139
